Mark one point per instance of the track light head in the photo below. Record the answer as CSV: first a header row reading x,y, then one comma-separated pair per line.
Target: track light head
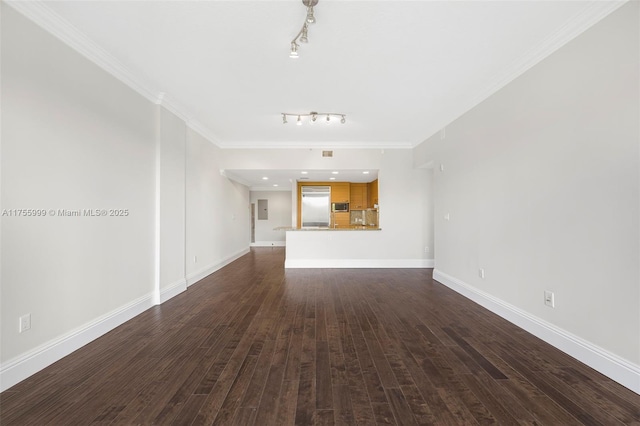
x,y
299,122
284,118
294,51
343,120
310,18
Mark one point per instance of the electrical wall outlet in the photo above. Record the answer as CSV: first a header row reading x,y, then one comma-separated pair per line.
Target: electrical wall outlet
x,y
426,249
25,323
549,299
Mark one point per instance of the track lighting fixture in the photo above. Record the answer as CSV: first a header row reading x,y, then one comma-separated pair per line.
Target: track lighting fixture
x,y
294,51
302,35
310,18
313,116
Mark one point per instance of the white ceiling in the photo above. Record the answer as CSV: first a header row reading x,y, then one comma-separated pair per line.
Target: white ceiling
x,y
399,70
282,180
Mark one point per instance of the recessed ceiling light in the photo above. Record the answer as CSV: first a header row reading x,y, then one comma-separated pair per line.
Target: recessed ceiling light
x,y
366,172
265,178
332,178
334,173
304,173
275,184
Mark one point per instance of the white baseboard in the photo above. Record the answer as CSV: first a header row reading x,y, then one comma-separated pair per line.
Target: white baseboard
x,y
23,366
29,363
607,363
268,244
173,290
198,275
358,263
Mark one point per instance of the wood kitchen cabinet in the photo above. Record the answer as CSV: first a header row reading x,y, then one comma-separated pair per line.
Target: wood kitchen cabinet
x,y
340,219
359,196
373,193
340,192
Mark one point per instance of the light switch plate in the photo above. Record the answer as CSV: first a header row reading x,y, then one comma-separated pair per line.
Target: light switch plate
x,y
549,299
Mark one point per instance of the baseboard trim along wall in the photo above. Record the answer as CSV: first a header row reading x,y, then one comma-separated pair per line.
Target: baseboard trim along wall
x,y
611,365
269,244
173,290
198,275
23,366
359,263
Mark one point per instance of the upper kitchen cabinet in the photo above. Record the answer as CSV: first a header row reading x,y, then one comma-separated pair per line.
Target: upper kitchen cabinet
x,y
359,196
372,188
340,192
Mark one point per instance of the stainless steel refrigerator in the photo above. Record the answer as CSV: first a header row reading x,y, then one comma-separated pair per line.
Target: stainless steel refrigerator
x,y
316,206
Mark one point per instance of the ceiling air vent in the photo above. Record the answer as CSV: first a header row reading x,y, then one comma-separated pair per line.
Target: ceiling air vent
x,y
304,178
327,153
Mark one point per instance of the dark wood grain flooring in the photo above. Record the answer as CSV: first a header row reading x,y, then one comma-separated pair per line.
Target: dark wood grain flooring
x,y
254,344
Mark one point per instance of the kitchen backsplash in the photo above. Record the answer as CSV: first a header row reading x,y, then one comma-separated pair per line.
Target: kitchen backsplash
x,y
364,217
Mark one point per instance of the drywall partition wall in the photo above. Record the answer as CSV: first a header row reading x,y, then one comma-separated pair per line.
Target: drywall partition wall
x,y
405,213
405,210
301,159
218,217
170,174
540,185
76,143
279,216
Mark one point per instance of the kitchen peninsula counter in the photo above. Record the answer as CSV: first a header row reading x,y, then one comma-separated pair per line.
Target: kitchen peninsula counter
x,y
347,247
338,228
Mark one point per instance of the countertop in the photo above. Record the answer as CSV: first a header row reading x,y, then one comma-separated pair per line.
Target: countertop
x,y
339,228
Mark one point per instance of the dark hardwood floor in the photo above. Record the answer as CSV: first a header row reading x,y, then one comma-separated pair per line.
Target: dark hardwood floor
x,y
254,344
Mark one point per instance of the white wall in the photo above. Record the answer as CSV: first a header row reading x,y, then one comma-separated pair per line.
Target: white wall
x,y
405,199
218,216
279,214
541,182
74,137
404,193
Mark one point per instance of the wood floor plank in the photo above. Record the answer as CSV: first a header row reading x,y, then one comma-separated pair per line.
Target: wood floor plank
x,y
400,407
255,344
360,402
306,407
189,410
343,410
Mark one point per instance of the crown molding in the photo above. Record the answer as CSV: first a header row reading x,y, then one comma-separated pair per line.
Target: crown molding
x,y
204,131
582,21
234,177
38,12
318,145
575,26
44,17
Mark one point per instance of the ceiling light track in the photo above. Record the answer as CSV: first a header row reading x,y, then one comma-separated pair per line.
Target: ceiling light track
x,y
302,35
313,117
